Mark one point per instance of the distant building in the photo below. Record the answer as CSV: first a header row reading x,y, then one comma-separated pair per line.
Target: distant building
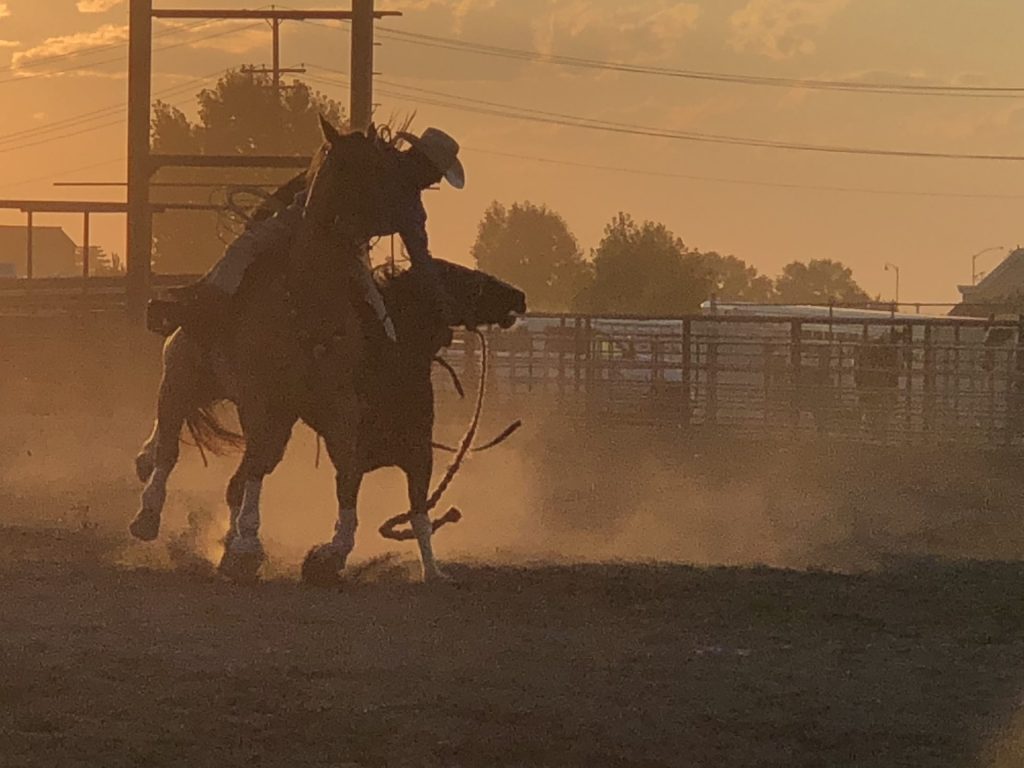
x,y
53,252
1000,292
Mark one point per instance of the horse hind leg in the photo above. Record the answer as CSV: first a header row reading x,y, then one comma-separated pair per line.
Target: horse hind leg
x,y
159,455
145,460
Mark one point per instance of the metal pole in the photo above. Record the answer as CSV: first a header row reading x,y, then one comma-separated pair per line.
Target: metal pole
x,y
28,247
85,247
140,218
361,104
277,59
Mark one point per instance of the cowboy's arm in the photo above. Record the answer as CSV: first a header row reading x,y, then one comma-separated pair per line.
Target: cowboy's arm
x,y
412,228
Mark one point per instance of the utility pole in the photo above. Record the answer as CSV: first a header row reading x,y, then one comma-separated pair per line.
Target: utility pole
x,y
361,105
142,163
140,216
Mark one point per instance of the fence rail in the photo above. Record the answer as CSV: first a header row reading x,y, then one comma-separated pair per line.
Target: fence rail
x,y
895,379
879,380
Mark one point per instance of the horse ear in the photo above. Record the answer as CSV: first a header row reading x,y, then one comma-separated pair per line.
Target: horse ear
x,y
330,133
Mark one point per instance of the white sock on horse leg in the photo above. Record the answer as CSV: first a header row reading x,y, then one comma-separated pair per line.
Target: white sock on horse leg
x,y
155,493
424,531
247,524
345,530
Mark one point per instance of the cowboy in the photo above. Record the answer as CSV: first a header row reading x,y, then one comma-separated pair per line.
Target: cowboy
x,y
431,157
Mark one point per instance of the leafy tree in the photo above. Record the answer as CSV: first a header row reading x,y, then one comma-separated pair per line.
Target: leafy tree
x,y
643,269
732,279
101,263
242,114
820,281
531,247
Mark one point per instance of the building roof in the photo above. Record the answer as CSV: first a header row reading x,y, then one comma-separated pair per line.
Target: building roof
x,y
997,289
53,252
13,240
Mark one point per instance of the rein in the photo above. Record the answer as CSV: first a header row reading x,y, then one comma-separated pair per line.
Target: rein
x,y
390,530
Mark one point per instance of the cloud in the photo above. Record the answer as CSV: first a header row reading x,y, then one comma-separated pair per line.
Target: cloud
x,y
9,43
230,36
4,10
781,29
97,6
642,30
108,34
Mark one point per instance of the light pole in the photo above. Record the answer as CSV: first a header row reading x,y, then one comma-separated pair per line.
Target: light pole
x,y
895,269
974,261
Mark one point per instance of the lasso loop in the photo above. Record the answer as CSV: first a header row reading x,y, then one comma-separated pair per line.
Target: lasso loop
x,y
389,530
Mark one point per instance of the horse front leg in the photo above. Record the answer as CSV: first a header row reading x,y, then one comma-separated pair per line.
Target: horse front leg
x,y
266,438
417,473
324,563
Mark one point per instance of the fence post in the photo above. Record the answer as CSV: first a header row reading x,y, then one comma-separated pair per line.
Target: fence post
x,y
928,402
711,410
796,360
685,375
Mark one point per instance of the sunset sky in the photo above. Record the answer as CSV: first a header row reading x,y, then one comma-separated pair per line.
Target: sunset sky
x,y
767,206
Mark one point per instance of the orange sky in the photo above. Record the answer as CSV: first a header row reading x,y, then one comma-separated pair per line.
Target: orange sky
x,y
714,196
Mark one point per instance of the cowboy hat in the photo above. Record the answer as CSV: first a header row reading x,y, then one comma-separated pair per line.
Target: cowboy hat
x,y
443,151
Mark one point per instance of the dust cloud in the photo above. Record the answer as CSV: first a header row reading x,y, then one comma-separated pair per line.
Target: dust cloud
x,y
559,490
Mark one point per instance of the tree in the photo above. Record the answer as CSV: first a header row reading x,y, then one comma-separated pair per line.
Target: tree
x,y
643,269
531,247
732,279
820,281
242,114
101,263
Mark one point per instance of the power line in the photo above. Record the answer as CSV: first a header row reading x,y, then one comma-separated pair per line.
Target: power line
x,y
518,112
748,182
45,177
851,86
96,114
97,48
119,59
75,124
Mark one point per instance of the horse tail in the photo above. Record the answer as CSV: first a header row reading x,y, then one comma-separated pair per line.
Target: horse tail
x,y
211,434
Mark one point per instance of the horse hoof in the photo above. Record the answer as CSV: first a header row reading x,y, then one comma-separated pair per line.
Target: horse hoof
x,y
242,564
436,576
323,566
143,467
146,525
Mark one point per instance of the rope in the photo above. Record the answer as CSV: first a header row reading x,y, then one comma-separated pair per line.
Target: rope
x,y
505,435
451,372
389,530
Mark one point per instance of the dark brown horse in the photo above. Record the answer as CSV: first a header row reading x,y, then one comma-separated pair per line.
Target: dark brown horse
x,y
394,385
294,344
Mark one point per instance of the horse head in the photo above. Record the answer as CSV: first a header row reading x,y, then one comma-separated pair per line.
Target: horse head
x,y
340,180
476,299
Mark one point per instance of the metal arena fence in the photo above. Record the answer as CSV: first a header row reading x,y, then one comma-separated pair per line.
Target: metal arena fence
x,y
874,377
884,379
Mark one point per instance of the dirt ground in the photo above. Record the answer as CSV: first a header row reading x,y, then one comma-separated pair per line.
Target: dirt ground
x,y
617,599
106,662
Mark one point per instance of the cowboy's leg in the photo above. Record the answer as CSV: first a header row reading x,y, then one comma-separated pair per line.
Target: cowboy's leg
x,y
272,235
371,294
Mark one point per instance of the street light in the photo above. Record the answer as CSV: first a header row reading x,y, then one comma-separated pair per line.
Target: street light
x,y
895,269
974,261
